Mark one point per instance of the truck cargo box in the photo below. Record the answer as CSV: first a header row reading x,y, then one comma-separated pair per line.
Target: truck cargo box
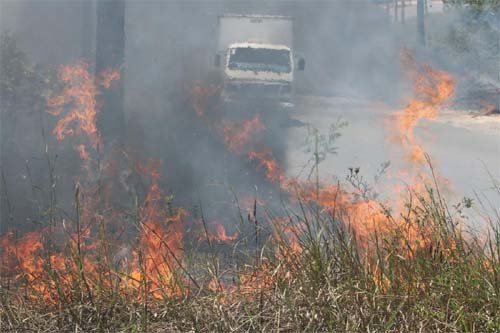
x,y
254,28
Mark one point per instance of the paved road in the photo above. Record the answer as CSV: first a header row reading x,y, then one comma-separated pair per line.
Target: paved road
x,y
463,148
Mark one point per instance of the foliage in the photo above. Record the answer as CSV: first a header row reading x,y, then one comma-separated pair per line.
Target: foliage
x,y
320,144
22,83
475,4
465,42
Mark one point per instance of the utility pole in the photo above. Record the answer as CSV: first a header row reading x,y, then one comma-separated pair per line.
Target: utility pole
x,y
387,10
403,14
420,22
396,9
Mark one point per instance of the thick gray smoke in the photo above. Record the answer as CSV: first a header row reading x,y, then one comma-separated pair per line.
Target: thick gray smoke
x,y
350,47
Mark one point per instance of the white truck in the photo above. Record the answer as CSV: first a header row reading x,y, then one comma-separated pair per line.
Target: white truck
x,y
256,57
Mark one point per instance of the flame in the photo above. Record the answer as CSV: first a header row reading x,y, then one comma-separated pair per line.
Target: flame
x,y
265,160
82,257
364,217
431,88
107,77
199,94
238,135
286,235
220,234
23,253
152,269
160,240
82,150
77,101
47,275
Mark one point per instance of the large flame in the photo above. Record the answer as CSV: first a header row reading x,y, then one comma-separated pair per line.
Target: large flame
x,y
77,100
160,241
153,264
219,234
236,135
77,253
266,160
431,88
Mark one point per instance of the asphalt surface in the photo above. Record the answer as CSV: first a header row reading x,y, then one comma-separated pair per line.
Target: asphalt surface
x,y
464,148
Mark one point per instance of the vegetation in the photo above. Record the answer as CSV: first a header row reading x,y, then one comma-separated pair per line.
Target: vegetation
x,y
312,274
328,260
475,4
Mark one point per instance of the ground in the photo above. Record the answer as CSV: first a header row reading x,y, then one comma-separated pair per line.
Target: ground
x,y
464,147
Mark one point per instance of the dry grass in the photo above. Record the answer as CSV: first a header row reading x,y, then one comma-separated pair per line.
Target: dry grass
x,y
316,277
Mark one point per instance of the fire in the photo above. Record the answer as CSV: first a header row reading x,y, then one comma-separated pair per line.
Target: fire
x,y
265,160
364,217
220,234
238,135
160,240
286,234
199,95
153,266
47,275
107,77
78,257
22,253
84,155
75,254
431,88
77,101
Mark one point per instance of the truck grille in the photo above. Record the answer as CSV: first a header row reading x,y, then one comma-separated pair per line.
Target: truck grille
x,y
257,89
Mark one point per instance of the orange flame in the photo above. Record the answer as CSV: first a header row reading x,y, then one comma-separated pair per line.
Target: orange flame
x,y
160,241
265,160
431,89
220,234
199,94
77,101
236,135
84,155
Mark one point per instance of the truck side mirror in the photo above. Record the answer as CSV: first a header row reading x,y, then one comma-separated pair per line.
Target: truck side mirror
x,y
301,65
217,60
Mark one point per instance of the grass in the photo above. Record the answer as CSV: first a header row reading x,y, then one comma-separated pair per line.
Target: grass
x,y
311,272
313,268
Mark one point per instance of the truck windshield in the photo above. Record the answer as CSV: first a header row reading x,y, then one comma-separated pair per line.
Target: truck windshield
x,y
259,59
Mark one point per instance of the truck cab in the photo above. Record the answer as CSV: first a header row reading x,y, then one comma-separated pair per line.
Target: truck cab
x,y
265,70
256,57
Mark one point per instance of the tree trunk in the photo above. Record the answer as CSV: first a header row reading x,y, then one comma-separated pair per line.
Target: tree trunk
x,y
87,30
110,49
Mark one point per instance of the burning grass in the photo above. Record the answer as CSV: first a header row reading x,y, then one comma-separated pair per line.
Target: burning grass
x,y
331,260
312,273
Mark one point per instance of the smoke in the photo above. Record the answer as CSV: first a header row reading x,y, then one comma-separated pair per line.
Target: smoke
x,y
351,49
